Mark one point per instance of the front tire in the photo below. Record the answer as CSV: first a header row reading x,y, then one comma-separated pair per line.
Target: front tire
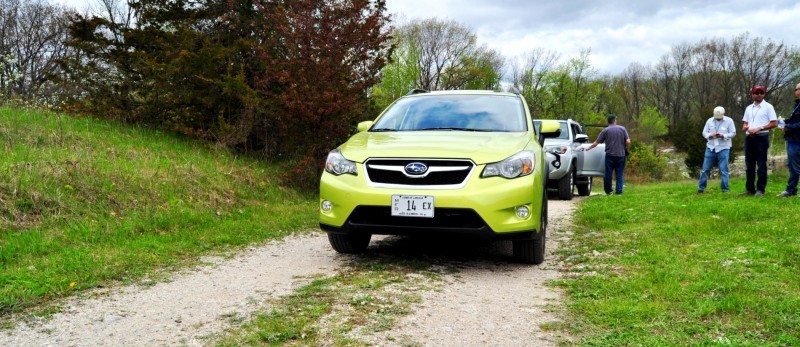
x,y
585,189
566,185
349,243
532,251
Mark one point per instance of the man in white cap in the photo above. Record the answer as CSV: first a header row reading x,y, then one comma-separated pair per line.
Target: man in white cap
x,y
718,130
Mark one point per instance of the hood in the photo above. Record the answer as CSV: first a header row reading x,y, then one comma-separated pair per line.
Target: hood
x,y
481,147
556,142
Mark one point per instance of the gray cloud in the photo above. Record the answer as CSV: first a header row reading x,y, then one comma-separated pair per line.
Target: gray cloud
x,y
617,32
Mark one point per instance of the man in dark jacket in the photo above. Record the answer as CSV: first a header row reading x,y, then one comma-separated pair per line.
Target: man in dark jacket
x,y
791,132
617,141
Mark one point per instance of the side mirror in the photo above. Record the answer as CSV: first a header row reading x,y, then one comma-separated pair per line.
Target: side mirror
x,y
363,126
581,138
548,129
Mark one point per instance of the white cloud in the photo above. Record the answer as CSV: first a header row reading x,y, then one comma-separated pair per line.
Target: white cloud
x,y
617,32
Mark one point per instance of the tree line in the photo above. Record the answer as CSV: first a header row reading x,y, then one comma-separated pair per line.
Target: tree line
x,y
288,79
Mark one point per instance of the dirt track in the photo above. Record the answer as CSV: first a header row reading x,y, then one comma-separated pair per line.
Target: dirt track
x,y
488,300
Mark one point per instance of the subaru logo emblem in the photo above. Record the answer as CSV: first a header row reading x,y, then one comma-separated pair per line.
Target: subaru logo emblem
x,y
416,168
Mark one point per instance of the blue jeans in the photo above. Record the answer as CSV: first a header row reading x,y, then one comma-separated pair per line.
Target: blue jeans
x,y
721,160
793,163
616,164
755,158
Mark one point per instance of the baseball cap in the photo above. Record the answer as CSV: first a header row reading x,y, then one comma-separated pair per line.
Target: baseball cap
x,y
719,112
757,88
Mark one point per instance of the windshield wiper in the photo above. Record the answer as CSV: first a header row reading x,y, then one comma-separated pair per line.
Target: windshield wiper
x,y
378,130
458,129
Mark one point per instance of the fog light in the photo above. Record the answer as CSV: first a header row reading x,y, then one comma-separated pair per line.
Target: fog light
x,y
326,205
523,212
557,164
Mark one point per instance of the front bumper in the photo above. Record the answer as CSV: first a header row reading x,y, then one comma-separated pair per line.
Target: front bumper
x,y
559,165
484,207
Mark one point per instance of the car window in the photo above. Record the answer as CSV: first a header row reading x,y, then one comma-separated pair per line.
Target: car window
x,y
454,112
564,131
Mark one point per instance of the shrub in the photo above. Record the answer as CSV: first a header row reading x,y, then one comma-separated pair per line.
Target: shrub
x,y
645,164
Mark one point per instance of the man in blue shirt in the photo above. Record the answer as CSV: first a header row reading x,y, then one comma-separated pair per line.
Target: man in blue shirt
x,y
718,130
617,141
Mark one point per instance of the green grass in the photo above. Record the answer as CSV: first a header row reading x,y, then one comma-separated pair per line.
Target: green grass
x,y
663,266
86,203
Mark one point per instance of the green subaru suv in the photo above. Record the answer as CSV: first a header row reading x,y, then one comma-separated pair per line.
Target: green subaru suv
x,y
459,163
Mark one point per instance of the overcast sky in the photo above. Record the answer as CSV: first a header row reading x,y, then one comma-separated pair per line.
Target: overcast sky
x,y
617,32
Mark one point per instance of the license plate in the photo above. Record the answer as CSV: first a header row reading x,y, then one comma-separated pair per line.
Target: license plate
x,y
412,206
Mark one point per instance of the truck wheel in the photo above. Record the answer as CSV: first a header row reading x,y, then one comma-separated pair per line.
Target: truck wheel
x,y
566,184
349,243
585,189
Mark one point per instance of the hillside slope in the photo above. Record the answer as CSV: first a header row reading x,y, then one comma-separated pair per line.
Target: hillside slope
x,y
86,203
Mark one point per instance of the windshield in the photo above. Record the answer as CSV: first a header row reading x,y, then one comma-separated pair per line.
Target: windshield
x,y
454,112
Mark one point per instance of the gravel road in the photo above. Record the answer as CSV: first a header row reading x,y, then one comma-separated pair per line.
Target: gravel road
x,y
489,300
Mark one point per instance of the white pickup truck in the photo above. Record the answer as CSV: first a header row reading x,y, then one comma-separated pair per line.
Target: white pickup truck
x,y
570,166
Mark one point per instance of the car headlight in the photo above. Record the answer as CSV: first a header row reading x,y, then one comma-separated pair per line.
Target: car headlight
x,y
337,164
560,150
520,164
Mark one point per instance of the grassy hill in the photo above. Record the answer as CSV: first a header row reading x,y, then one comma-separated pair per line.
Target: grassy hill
x,y
87,203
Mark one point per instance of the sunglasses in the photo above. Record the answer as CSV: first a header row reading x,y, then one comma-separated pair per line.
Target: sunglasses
x,y
758,93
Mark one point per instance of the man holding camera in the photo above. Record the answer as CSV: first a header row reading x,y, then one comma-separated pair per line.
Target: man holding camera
x,y
719,130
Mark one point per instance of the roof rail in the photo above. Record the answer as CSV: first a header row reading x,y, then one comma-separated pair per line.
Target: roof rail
x,y
416,91
515,90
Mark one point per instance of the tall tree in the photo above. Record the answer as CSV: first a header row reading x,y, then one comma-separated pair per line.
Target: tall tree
x,y
32,36
320,57
484,69
528,74
763,61
400,75
178,64
632,83
449,57
571,90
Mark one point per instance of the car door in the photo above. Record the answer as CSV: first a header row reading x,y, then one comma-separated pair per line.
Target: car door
x,y
590,163
576,143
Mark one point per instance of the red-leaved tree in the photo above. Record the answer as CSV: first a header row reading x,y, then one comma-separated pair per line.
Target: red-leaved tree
x,y
319,58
